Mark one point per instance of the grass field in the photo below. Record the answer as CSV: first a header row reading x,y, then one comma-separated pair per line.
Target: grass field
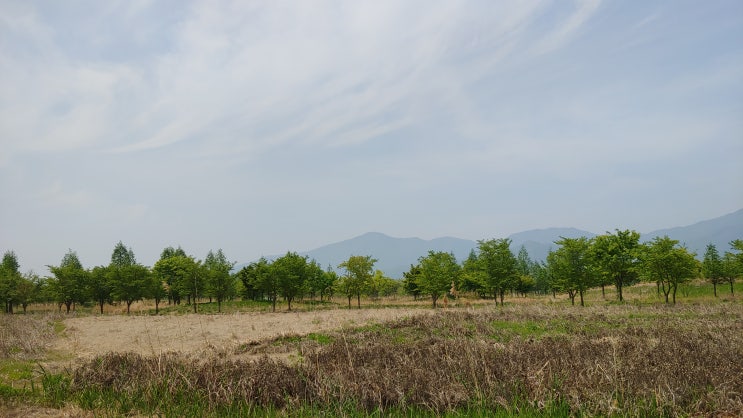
x,y
537,356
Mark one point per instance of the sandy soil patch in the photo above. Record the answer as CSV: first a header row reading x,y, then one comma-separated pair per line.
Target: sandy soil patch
x,y
94,335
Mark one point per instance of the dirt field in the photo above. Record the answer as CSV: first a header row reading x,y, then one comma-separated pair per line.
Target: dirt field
x,y
192,334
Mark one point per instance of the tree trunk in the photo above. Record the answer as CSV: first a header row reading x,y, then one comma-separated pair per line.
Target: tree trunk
x,y
68,305
219,305
273,300
619,290
349,301
289,302
731,288
501,296
714,286
581,298
674,293
128,304
358,300
433,300
603,292
666,291
100,303
157,306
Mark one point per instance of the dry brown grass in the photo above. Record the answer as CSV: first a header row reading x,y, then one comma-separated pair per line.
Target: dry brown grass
x,y
602,360
25,336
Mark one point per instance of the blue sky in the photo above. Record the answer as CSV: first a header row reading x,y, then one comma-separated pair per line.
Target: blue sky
x,y
262,127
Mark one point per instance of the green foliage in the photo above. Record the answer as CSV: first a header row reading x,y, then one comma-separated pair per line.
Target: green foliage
x,y
10,279
358,274
410,281
668,265
525,284
615,258
543,282
69,282
99,286
254,279
472,278
570,266
381,285
183,275
712,267
129,280
439,271
290,272
220,283
320,281
498,264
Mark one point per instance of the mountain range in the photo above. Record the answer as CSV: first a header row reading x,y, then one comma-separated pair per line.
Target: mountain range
x,y
395,255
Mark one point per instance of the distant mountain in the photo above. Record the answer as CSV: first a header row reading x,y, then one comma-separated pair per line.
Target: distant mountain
x,y
718,231
395,255
539,242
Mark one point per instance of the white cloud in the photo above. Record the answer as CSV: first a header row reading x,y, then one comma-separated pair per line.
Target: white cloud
x,y
568,28
350,115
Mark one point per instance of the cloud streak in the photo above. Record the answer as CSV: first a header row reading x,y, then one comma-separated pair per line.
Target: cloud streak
x,y
258,126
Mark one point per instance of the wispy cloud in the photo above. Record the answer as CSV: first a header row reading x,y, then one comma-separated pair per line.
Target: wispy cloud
x,y
214,118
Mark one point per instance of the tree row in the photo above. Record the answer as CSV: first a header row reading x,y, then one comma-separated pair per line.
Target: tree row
x,y
491,270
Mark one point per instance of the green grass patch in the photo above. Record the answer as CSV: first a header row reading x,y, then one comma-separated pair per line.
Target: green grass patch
x,y
12,370
505,330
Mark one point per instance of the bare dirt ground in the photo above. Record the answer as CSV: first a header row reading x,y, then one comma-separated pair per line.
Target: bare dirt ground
x,y
89,336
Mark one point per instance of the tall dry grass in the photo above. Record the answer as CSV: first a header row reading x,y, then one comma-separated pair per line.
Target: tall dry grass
x,y
25,336
600,361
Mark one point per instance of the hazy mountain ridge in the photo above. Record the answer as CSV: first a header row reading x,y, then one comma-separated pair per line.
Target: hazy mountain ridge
x,y
395,255
719,231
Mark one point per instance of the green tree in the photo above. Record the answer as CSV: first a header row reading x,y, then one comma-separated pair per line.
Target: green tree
x,y
525,284
712,267
410,281
733,263
319,281
358,273
185,275
221,283
615,257
27,291
157,287
542,278
165,272
99,286
291,273
329,279
438,271
668,264
253,277
523,262
129,280
571,268
192,280
472,278
69,282
499,266
10,278
381,285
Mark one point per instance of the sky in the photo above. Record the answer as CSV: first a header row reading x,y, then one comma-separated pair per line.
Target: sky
x,y
269,126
